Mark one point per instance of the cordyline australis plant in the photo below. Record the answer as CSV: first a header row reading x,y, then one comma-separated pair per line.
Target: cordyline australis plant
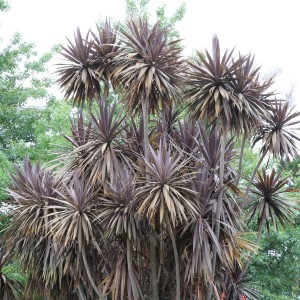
x,y
146,204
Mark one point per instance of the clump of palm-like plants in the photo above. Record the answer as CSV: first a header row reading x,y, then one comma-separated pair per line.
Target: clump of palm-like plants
x,y
269,206
146,204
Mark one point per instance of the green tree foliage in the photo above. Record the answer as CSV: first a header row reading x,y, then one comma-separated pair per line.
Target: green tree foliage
x,y
291,170
277,265
26,108
3,5
22,80
137,8
140,9
48,131
23,98
171,21
5,169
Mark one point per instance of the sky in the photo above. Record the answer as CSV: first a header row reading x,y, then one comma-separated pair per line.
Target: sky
x,y
267,28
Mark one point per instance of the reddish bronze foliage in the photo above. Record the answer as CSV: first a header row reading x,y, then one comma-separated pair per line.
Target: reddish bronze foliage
x,y
135,205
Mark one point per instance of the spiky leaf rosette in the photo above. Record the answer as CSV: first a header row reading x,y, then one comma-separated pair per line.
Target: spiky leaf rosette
x,y
132,139
105,49
236,283
167,121
252,105
269,204
32,192
79,76
95,145
279,134
225,89
165,189
80,132
72,229
245,81
148,67
33,189
115,210
187,136
117,215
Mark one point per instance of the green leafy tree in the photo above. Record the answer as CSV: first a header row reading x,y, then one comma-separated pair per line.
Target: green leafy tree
x,y
137,8
291,170
3,5
277,265
49,131
22,80
5,168
171,21
140,9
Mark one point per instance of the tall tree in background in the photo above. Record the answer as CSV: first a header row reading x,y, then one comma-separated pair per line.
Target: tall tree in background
x,y
26,105
276,266
23,93
140,8
20,82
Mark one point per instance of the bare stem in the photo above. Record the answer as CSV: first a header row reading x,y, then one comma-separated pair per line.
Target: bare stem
x,y
153,254
254,173
219,209
177,270
241,161
130,271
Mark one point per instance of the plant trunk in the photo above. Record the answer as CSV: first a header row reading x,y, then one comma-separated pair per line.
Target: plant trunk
x,y
106,89
161,252
145,129
176,259
153,254
219,209
153,267
253,175
163,118
240,161
130,271
259,232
